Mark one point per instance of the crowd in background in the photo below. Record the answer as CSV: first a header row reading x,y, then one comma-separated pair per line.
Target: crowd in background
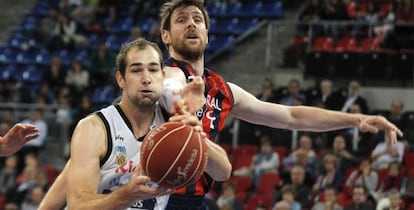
x,y
320,169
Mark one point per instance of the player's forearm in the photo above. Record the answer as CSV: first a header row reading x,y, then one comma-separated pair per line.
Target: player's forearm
x,y
316,119
118,199
55,198
218,164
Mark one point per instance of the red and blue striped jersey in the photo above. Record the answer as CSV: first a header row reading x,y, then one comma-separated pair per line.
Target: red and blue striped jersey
x,y
219,102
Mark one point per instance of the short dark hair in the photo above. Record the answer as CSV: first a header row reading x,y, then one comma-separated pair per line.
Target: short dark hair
x,y
139,44
168,8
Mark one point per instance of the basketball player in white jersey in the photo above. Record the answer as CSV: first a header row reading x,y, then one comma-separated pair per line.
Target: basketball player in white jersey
x,y
105,146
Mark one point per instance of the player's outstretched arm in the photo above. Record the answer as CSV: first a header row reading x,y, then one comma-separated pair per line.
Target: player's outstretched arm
x,y
16,137
249,108
87,147
55,197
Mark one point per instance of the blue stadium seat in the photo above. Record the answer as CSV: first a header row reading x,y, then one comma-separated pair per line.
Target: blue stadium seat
x,y
103,95
24,58
215,9
245,24
29,74
41,9
227,26
121,26
250,9
83,56
270,10
233,9
7,56
42,57
29,24
8,73
16,41
145,25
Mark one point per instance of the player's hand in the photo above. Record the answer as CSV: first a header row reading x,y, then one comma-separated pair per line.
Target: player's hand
x,y
16,137
375,123
182,115
140,186
193,94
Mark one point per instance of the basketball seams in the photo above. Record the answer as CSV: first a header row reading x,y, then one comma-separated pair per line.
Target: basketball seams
x,y
157,143
200,158
178,156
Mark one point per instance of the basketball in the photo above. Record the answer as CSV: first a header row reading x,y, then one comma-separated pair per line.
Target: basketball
x,y
174,155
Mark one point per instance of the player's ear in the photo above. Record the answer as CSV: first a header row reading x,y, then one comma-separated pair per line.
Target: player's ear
x,y
165,35
120,79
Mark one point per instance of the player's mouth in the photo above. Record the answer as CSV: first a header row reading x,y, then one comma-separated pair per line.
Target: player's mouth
x,y
192,36
146,92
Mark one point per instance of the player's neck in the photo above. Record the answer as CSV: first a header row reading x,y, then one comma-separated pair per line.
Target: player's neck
x,y
197,65
139,117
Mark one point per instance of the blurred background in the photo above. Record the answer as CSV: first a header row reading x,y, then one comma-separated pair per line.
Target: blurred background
x,y
57,61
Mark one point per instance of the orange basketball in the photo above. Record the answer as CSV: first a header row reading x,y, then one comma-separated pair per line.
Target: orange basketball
x,y
174,155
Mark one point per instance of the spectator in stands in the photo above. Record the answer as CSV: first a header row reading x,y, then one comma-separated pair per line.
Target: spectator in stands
x,y
25,182
359,199
228,197
4,127
365,176
135,33
353,97
334,10
392,202
326,89
102,61
329,203
84,13
345,158
385,153
77,78
33,199
301,159
299,184
392,180
396,114
108,9
282,205
267,92
55,75
68,31
405,11
329,176
311,13
289,195
8,116
294,94
81,111
46,93
11,206
35,118
305,145
8,175
265,161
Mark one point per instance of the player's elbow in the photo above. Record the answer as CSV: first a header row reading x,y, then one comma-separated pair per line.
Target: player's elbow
x,y
221,172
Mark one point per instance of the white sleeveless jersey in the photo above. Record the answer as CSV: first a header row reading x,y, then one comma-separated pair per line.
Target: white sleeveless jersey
x,y
123,154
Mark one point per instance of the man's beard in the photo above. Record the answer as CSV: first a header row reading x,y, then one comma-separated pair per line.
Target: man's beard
x,y
189,53
144,103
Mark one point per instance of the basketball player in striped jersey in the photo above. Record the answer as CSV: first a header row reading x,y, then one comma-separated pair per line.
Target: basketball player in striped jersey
x,y
103,171
184,30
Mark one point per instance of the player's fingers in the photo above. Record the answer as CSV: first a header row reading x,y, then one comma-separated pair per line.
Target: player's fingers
x,y
391,136
366,127
177,92
31,137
